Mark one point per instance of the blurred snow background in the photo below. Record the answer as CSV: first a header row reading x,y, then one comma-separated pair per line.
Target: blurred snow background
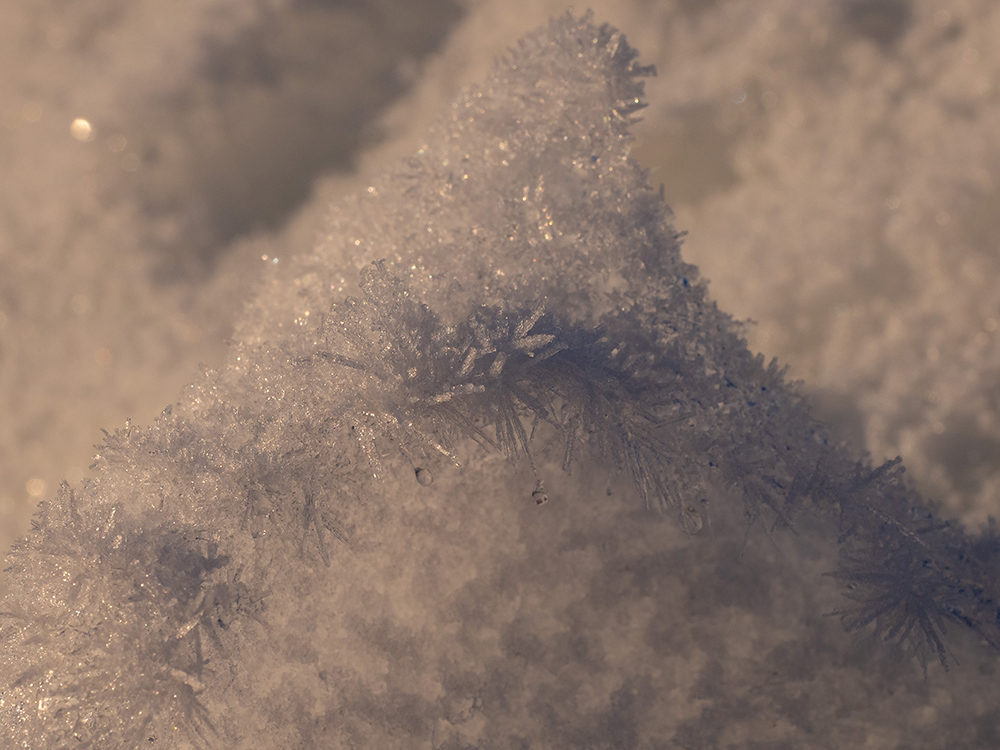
x,y
835,161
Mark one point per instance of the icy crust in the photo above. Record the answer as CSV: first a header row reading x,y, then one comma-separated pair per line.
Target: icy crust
x,y
342,539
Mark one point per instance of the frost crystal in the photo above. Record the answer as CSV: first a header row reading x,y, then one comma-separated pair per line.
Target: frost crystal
x,y
259,566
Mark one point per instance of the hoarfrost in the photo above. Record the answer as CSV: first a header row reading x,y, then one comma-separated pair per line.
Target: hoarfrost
x,y
235,574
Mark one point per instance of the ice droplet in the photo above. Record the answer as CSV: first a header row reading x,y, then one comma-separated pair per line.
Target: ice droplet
x,y
82,130
424,477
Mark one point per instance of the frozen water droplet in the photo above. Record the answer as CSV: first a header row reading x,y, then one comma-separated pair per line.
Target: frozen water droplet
x,y
691,520
424,477
539,495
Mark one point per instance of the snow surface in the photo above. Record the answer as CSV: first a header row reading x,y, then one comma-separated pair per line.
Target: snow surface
x,y
835,164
